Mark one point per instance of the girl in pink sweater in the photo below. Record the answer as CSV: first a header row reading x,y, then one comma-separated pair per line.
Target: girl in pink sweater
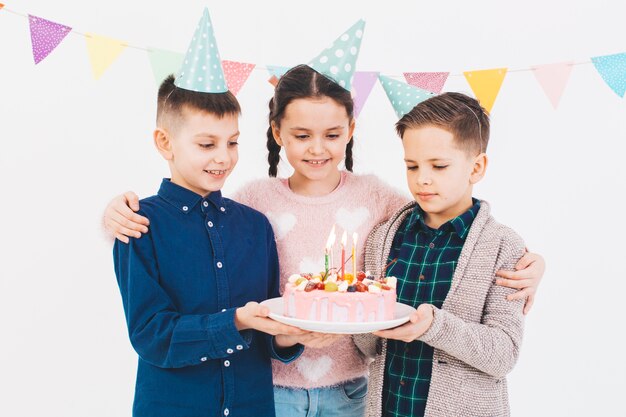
x,y
311,117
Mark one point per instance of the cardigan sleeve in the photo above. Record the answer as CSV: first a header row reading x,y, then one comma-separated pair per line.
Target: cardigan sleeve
x,y
491,346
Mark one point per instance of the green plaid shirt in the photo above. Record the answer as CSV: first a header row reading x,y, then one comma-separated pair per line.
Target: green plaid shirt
x,y
425,266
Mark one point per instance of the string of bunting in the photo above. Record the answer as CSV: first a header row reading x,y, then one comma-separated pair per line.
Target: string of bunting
x,y
102,51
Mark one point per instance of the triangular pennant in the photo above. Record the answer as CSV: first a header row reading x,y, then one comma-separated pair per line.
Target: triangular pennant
x,y
402,96
430,81
362,85
45,36
276,72
164,63
102,52
553,79
486,85
612,68
236,74
338,62
202,67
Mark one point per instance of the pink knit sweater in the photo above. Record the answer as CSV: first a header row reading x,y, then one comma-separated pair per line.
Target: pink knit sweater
x,y
302,225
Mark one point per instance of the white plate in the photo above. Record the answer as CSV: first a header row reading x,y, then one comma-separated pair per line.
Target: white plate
x,y
275,305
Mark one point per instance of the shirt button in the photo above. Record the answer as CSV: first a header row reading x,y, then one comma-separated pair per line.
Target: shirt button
x,y
205,204
432,245
222,209
226,412
185,208
229,351
227,363
402,383
223,310
203,359
210,224
219,265
422,277
239,347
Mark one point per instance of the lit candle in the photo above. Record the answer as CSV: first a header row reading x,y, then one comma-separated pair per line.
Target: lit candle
x,y
344,237
327,251
354,239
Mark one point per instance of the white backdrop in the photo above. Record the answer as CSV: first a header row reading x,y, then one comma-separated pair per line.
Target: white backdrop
x,y
70,143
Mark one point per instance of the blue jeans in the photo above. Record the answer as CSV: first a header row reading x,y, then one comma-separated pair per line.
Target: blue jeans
x,y
345,400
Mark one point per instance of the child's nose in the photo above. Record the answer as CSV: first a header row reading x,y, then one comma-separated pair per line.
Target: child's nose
x,y
424,178
316,146
222,156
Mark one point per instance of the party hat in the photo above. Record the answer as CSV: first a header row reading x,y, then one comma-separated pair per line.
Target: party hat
x,y
202,68
403,96
339,60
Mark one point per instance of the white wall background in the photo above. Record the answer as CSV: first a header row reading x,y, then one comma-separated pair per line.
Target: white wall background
x,y
70,143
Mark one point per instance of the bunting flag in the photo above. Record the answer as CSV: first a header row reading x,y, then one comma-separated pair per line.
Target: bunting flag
x,y
486,85
612,68
45,36
430,81
276,72
164,63
553,78
402,96
236,74
362,85
102,52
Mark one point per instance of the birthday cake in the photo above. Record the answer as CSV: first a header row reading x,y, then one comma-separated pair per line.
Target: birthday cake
x,y
333,298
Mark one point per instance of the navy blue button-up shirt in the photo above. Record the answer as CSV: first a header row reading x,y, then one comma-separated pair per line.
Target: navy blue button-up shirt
x,y
180,284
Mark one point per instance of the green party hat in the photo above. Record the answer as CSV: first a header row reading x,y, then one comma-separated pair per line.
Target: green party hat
x,y
339,60
202,68
403,96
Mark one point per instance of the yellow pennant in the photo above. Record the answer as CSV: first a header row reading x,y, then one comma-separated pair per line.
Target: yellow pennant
x,y
486,85
102,52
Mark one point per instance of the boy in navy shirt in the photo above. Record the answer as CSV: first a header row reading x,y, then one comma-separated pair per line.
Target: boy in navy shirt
x,y
191,285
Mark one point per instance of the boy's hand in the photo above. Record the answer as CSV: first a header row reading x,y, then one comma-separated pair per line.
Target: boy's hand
x,y
526,277
255,316
418,324
120,219
311,340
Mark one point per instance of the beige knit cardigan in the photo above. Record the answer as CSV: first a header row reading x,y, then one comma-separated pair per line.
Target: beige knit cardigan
x,y
476,334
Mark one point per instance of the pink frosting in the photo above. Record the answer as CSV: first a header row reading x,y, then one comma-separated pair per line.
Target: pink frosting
x,y
339,306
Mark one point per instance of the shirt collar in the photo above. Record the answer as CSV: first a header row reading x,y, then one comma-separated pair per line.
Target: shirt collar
x,y
460,224
185,200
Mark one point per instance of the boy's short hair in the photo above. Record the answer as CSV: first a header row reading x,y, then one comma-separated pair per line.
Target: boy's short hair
x,y
459,114
172,100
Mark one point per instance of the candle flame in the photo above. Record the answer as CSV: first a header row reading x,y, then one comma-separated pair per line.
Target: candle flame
x,y
344,238
331,238
354,238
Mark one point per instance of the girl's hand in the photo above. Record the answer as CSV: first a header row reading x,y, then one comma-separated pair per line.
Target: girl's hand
x,y
417,325
120,219
526,277
255,316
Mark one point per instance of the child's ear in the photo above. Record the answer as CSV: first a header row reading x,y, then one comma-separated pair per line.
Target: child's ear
x,y
163,143
479,168
351,129
276,134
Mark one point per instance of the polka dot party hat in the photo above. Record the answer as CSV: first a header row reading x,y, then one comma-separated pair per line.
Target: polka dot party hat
x,y
339,60
403,96
202,68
